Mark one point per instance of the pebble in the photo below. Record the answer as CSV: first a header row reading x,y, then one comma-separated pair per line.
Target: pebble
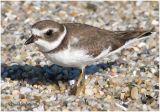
x,y
25,90
144,107
143,91
89,92
122,96
134,93
154,22
15,92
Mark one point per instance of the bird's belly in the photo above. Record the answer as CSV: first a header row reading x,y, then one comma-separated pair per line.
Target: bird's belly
x,y
70,58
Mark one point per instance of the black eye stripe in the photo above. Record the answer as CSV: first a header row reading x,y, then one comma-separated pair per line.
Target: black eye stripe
x,y
49,32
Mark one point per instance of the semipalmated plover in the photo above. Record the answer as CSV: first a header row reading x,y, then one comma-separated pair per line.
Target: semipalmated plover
x,y
78,45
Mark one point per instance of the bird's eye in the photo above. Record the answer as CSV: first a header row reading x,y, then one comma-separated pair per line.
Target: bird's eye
x,y
49,32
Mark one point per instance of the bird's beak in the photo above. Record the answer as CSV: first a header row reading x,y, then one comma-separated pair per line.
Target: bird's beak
x,y
30,40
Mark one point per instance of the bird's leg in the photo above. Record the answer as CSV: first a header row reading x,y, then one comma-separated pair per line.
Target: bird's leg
x,y
80,84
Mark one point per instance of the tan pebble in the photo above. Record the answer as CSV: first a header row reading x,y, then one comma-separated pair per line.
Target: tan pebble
x,y
101,93
62,14
94,109
152,44
136,49
126,89
97,95
15,92
73,13
148,88
112,82
109,97
37,98
114,70
134,93
113,74
138,81
40,87
154,104
24,100
7,97
142,91
95,90
15,82
122,96
35,86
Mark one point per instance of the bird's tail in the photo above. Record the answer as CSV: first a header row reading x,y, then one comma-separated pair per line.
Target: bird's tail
x,y
124,36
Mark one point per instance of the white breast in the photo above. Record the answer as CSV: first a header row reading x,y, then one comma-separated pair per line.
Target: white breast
x,y
70,57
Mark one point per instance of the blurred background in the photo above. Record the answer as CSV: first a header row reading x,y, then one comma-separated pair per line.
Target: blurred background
x,y
27,77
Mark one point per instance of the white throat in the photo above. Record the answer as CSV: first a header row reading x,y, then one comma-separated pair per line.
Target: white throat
x,y
47,46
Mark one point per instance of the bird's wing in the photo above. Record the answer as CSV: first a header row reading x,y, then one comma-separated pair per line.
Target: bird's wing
x,y
96,40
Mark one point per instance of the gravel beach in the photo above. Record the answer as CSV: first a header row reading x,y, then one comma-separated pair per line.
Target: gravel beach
x,y
30,82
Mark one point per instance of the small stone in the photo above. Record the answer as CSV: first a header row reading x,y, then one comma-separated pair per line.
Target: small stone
x,y
122,96
156,86
37,98
138,81
101,93
114,70
92,6
74,14
152,44
95,90
71,82
153,70
40,108
134,93
53,98
154,22
25,90
134,73
136,49
149,75
42,63
109,98
24,100
144,107
15,92
143,90
61,86
89,92
154,104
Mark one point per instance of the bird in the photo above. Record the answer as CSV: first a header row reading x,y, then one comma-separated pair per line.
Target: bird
x,y
79,45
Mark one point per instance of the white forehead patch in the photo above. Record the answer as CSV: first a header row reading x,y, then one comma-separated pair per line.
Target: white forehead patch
x,y
47,46
38,32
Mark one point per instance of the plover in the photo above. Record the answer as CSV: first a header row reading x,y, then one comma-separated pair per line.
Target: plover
x,y
78,45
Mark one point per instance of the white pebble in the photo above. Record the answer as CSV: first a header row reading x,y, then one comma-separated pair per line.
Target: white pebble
x,y
25,90
142,44
71,82
53,98
154,22
144,107
134,73
153,70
